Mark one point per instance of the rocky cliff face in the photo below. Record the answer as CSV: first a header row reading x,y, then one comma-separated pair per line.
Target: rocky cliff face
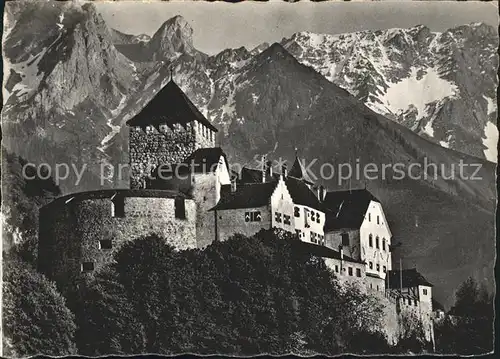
x,y
71,84
72,88
440,85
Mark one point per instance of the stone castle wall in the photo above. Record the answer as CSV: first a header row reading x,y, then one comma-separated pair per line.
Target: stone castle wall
x,y
341,271
70,233
150,147
233,221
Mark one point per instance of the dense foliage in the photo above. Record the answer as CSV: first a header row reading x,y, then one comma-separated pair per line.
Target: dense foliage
x,y
27,192
35,317
243,296
468,327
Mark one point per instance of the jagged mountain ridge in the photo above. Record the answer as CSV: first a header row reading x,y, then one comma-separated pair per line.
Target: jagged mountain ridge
x,y
263,102
440,85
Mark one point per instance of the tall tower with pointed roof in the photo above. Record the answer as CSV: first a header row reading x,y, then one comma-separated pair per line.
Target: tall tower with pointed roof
x,y
168,130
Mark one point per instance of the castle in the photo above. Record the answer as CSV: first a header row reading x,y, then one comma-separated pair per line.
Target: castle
x,y
182,189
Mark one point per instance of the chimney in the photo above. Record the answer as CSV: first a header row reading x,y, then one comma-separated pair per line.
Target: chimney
x,y
233,184
269,170
284,170
321,193
264,164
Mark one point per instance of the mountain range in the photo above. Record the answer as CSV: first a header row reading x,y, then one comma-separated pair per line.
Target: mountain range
x,y
71,87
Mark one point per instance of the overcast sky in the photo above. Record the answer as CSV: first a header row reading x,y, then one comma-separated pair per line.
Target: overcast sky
x,y
218,26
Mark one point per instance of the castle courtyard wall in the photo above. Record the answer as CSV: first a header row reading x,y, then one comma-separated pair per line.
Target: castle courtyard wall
x,y
232,221
71,232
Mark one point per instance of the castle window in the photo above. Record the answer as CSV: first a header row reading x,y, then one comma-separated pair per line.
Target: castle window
x,y
425,291
378,220
369,217
336,268
349,270
345,239
370,240
377,288
370,264
105,244
118,207
286,219
378,267
299,233
253,216
87,266
180,208
358,272
385,269
296,212
377,242
313,237
277,217
383,244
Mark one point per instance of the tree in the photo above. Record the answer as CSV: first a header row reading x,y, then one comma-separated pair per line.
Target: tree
x,y
27,192
36,319
107,322
243,296
142,267
472,300
468,326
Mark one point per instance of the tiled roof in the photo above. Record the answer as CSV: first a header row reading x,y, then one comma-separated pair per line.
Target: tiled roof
x,y
250,195
373,275
346,209
111,193
298,171
204,160
322,251
410,278
250,175
170,106
301,193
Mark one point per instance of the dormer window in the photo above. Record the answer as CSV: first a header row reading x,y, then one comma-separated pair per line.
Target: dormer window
x,y
345,239
118,207
180,208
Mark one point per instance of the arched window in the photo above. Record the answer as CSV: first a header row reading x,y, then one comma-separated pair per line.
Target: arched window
x,y
383,244
370,240
377,242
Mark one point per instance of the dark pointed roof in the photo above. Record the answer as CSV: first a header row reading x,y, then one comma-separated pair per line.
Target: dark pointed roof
x,y
323,251
298,171
249,195
205,159
170,106
346,209
410,278
301,193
